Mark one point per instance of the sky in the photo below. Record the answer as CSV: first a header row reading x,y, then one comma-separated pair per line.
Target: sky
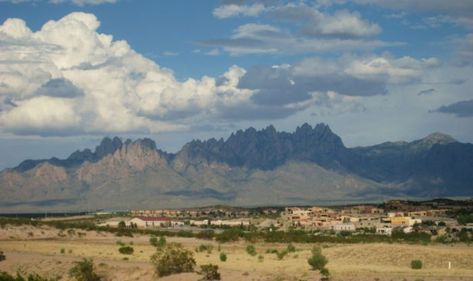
x,y
74,71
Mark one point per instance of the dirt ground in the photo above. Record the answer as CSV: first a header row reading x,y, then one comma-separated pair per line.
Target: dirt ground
x,y
52,252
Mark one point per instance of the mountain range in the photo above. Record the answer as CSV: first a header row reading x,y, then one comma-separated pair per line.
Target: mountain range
x,y
251,167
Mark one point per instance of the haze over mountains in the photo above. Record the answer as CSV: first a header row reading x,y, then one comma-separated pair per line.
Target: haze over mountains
x,y
250,167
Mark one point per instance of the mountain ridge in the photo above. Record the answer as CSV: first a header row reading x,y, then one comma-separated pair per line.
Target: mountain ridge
x,y
262,163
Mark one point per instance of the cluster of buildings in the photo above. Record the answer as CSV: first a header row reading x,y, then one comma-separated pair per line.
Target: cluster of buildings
x,y
207,212
381,219
363,217
168,222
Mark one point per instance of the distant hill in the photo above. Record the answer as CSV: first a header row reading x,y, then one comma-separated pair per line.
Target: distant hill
x,y
250,167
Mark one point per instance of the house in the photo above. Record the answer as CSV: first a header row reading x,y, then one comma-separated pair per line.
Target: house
x,y
151,222
235,222
343,227
199,222
367,222
384,230
407,221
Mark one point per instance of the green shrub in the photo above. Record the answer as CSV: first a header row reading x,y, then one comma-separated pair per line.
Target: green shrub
x,y
251,250
84,271
126,250
229,235
153,241
63,251
318,261
416,264
260,258
172,259
223,257
271,251
205,248
205,234
291,248
157,243
162,241
281,254
209,272
2,256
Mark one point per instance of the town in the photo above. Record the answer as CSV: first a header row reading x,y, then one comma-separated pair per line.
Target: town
x,y
438,218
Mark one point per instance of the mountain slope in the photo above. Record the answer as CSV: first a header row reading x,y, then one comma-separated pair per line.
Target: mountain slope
x,y
250,167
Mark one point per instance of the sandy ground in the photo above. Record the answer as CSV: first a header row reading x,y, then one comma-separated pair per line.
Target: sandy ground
x,y
52,252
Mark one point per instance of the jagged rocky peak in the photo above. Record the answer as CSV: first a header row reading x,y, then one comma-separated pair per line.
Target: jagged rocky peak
x,y
108,146
146,143
320,134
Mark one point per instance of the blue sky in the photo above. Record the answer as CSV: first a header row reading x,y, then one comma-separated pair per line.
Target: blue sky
x,y
72,72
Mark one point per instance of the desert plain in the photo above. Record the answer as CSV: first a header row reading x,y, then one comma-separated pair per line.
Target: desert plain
x,y
52,252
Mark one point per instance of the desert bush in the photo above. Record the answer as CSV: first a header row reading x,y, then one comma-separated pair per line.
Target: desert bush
x,y
464,218
229,235
223,257
126,250
124,232
281,254
63,250
260,258
209,272
161,241
205,234
291,248
157,243
416,264
2,256
172,259
318,261
205,248
84,271
153,241
251,250
271,251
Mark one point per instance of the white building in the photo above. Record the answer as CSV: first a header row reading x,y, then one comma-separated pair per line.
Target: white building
x,y
384,230
344,227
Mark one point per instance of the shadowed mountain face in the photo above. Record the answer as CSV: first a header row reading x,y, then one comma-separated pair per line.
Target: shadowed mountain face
x,y
250,167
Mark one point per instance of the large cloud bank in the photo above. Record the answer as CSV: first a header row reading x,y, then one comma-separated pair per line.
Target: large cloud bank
x,y
69,79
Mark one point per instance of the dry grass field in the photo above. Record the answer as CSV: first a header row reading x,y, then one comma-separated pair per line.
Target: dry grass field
x,y
52,252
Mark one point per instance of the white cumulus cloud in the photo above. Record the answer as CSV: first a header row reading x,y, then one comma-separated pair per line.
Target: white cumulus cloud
x,y
115,88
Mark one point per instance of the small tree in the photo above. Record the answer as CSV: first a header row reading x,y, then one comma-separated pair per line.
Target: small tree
x,y
121,224
318,261
126,250
281,254
209,272
223,257
153,241
162,242
172,259
84,271
251,250
416,264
